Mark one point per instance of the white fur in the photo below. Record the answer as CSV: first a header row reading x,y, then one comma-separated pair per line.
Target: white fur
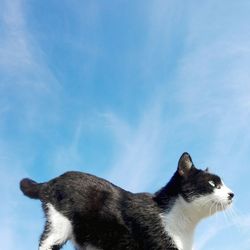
x,y
181,220
222,193
60,229
179,224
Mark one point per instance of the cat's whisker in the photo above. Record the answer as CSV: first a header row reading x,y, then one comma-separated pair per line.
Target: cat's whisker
x,y
236,218
225,213
210,210
231,214
207,201
235,213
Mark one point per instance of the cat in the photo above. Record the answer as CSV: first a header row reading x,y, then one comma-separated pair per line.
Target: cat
x,y
95,214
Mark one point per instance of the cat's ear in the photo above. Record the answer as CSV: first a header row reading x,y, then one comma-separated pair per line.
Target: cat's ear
x,y
185,164
206,169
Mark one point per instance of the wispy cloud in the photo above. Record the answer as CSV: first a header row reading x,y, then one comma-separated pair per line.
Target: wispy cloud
x,y
221,226
25,83
13,205
69,156
140,147
14,47
26,80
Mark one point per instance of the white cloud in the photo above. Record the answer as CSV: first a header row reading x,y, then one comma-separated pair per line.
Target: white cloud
x,y
27,84
237,225
138,157
69,156
14,47
13,205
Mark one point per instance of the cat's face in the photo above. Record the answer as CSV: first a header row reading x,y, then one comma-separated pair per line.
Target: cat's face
x,y
205,191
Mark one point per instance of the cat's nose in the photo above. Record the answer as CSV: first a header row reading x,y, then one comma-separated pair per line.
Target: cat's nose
x,y
230,195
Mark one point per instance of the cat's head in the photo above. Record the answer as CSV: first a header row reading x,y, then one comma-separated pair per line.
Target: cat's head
x,y
205,191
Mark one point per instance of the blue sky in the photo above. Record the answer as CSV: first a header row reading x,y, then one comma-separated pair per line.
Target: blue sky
x,y
120,89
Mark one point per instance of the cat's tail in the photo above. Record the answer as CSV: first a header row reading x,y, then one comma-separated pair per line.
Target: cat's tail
x,y
30,188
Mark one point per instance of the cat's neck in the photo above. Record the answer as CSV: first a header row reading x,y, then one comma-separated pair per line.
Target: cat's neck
x,y
180,222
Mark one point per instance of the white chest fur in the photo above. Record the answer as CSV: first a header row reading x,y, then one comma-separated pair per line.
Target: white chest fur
x,y
180,224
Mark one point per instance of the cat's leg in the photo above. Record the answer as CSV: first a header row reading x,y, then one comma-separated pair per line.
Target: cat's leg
x,y
51,239
57,230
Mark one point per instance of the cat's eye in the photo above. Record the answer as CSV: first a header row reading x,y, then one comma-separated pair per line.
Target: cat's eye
x,y
211,183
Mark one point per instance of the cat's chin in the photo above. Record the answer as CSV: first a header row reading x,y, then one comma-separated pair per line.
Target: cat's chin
x,y
221,206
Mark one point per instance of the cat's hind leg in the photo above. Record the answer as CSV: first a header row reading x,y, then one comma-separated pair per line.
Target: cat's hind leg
x,y
58,229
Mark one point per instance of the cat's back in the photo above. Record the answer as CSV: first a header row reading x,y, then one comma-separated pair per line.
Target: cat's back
x,y
81,190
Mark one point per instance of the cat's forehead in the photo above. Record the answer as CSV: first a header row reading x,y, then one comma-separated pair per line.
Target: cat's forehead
x,y
203,175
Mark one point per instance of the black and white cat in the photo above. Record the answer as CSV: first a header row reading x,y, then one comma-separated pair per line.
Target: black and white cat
x,y
95,214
